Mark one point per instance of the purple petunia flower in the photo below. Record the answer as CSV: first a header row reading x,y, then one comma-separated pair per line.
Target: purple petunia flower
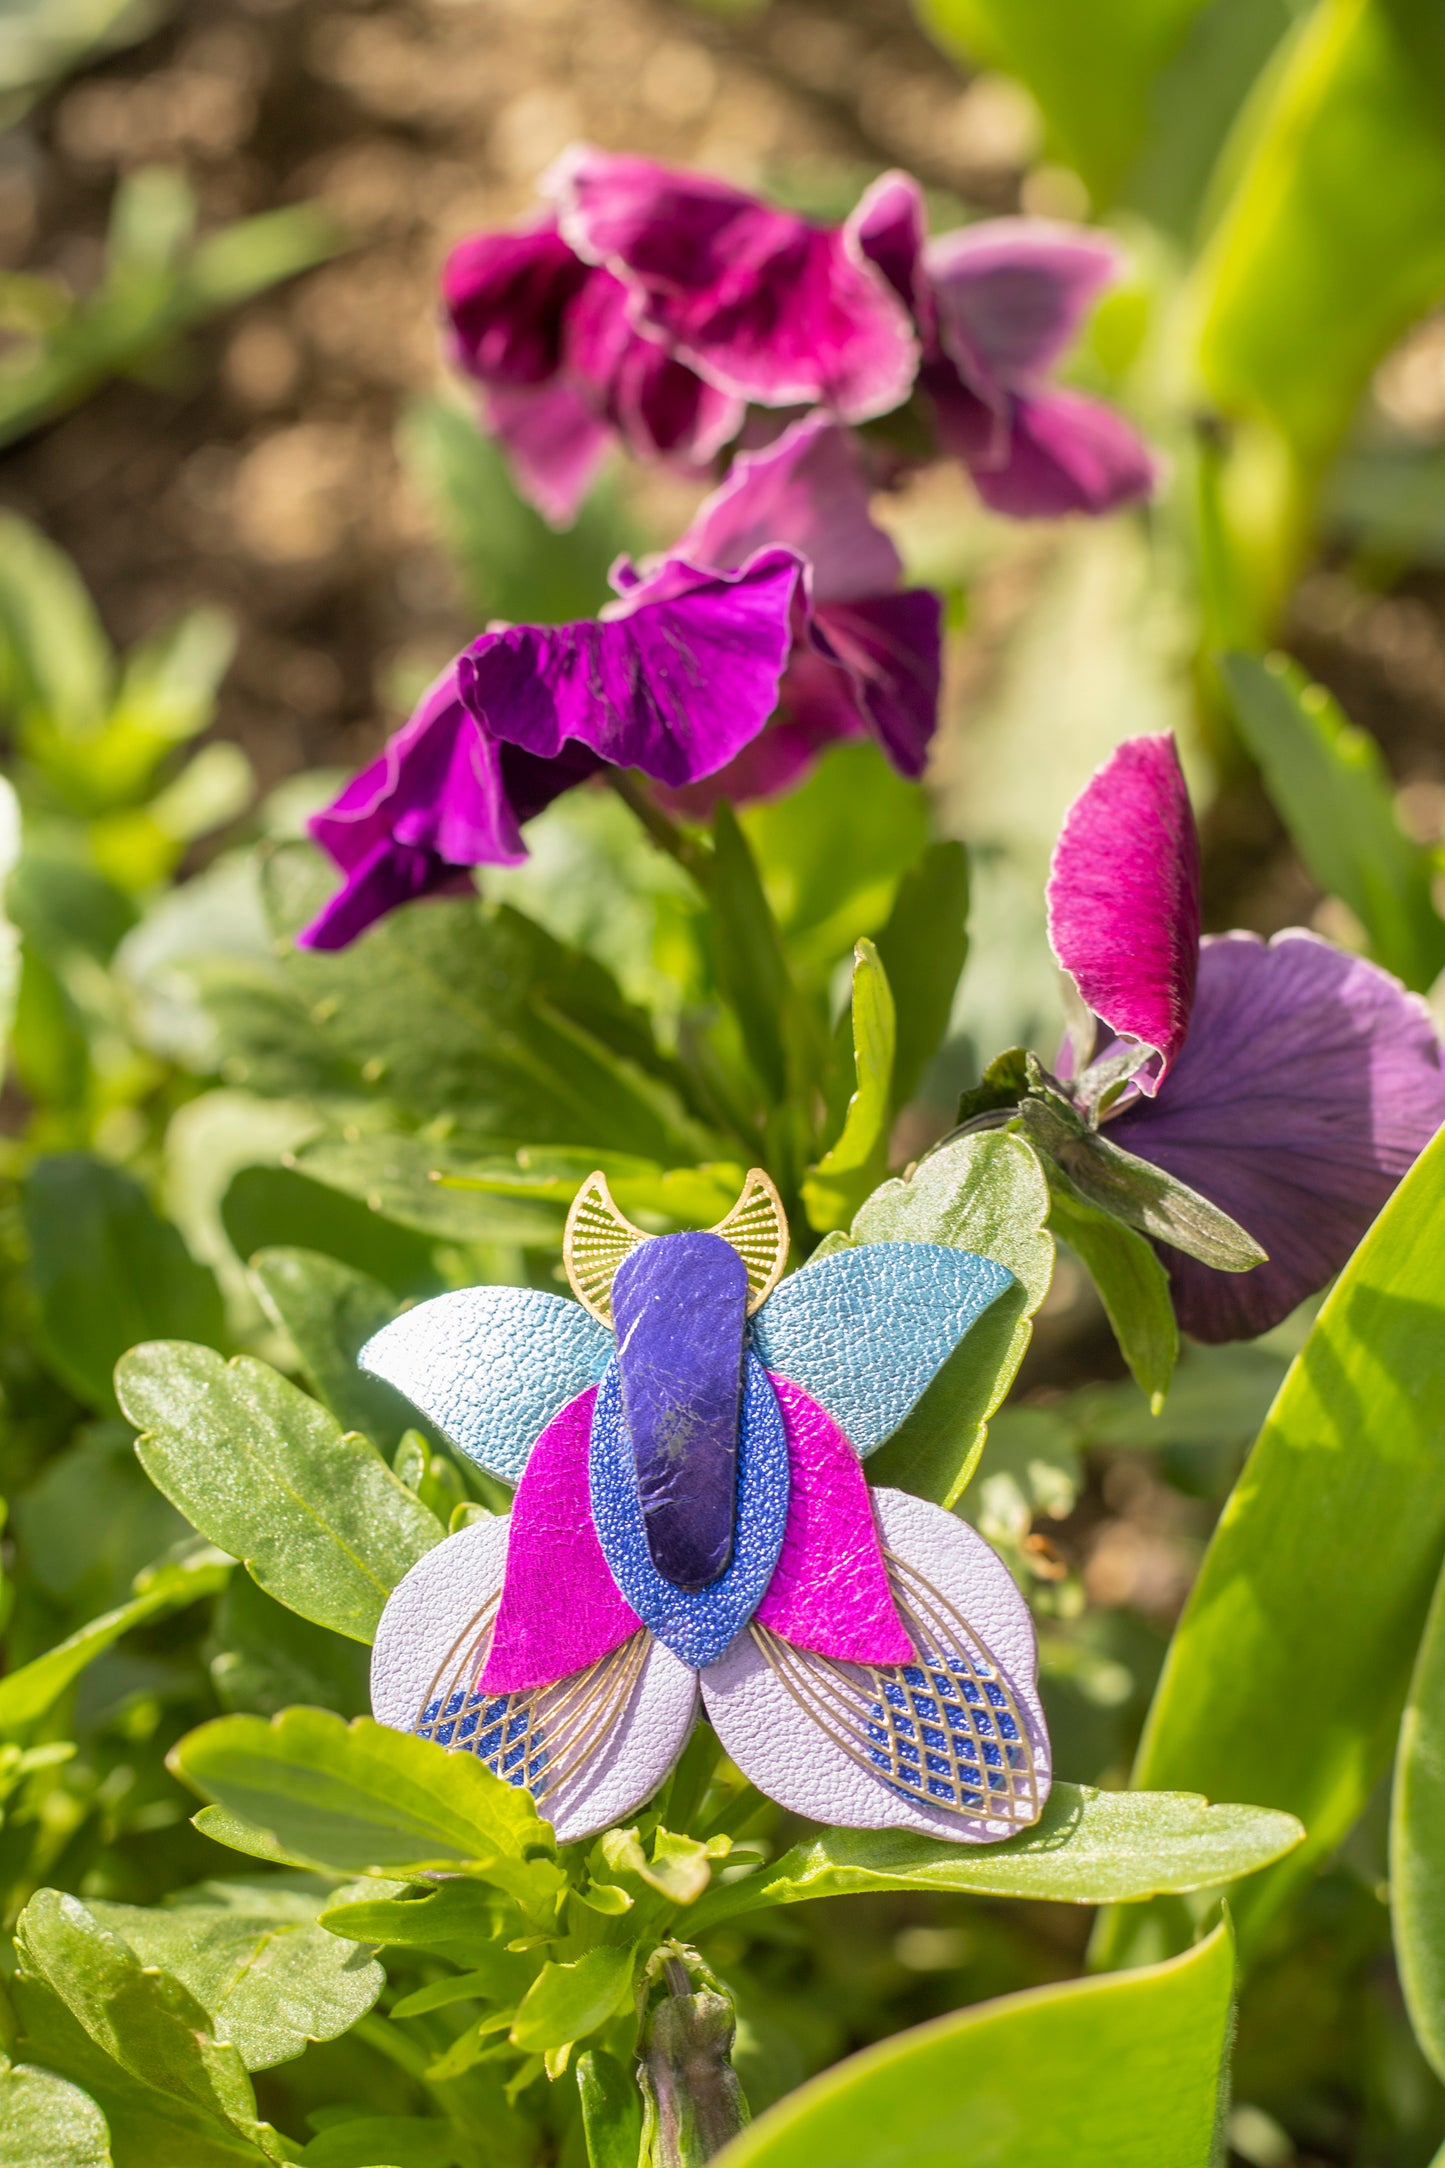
x,y
563,369
996,305
674,679
1288,1082
866,655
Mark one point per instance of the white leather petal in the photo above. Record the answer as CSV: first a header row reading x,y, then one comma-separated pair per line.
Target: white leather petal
x,y
790,1756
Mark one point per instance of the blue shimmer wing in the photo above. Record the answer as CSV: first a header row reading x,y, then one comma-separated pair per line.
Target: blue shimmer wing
x,y
867,1329
490,1366
696,1625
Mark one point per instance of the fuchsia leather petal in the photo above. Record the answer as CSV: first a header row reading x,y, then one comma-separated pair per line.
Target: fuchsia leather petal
x,y
1123,897
561,1609
829,1590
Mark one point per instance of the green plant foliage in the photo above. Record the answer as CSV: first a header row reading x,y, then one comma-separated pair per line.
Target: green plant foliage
x,y
1417,1841
1287,1673
44,2118
329,1310
1132,1283
315,1514
1136,2078
27,1693
854,1164
923,946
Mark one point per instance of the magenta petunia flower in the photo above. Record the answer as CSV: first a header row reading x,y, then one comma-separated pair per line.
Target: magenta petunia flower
x,y
996,305
563,369
675,680
1288,1082
866,653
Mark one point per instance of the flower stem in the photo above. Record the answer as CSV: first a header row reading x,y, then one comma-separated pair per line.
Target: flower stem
x,y
691,853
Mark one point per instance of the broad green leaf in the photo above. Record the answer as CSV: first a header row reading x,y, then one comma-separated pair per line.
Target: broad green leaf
x,y
253,1956
836,1187
1330,786
330,1310
751,968
565,2002
404,1179
984,1193
55,661
45,2119
358,1797
611,2110
268,1658
1132,1284
280,1208
1417,1841
315,1514
1137,1192
1126,2072
923,948
1089,1847
27,1693
1286,1675
108,1271
400,2141
455,1919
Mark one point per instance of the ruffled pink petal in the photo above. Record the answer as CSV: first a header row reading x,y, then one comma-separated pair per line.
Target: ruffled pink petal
x,y
561,1609
889,224
1064,453
1011,294
661,408
553,443
791,1758
763,304
1123,898
829,1590
891,648
506,297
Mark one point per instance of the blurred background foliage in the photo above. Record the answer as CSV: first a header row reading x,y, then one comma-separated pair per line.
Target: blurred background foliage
x,y
248,519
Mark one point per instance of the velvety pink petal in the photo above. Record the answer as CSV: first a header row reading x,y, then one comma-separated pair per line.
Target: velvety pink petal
x,y
660,407
1309,1083
967,427
561,1609
808,490
506,297
1063,454
674,680
762,303
553,441
1123,898
794,1761
891,647
1011,293
817,708
889,224
829,1590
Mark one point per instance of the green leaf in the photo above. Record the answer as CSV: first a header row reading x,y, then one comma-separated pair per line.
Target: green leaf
x,y
1417,1841
55,661
984,1193
1089,1847
611,2110
752,970
316,1515
279,1208
169,685
1330,785
400,1177
401,2141
107,1271
253,1956
358,1797
566,2002
268,1658
455,1919
329,1310
1139,1193
27,1693
1127,2072
1132,1284
45,2119
836,1187
1287,1672
923,948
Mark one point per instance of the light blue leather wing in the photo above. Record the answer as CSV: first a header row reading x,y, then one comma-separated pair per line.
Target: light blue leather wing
x,y
866,1329
490,1366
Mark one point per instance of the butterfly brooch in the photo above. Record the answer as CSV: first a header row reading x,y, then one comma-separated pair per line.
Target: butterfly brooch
x,y
692,1521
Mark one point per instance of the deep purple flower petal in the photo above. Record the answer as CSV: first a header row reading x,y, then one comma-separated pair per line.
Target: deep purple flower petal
x,y
1123,898
809,491
391,874
1010,295
673,680
660,407
890,224
762,303
506,296
553,442
891,647
1309,1083
1064,453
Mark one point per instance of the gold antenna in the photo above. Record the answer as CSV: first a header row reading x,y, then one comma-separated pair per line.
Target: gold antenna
x,y
598,1238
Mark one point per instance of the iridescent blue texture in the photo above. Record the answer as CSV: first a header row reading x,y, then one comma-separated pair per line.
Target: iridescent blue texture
x,y
696,1625
495,1728
679,1304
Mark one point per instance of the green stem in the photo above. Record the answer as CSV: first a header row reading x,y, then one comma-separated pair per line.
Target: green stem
x,y
691,853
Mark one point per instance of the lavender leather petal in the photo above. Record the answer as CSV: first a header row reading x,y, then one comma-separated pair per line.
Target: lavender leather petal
x,y
1123,897
1011,293
432,1607
674,686
808,490
1065,454
793,1760
1309,1083
561,1610
696,1626
826,1326
679,1306
759,301
490,1366
829,1590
